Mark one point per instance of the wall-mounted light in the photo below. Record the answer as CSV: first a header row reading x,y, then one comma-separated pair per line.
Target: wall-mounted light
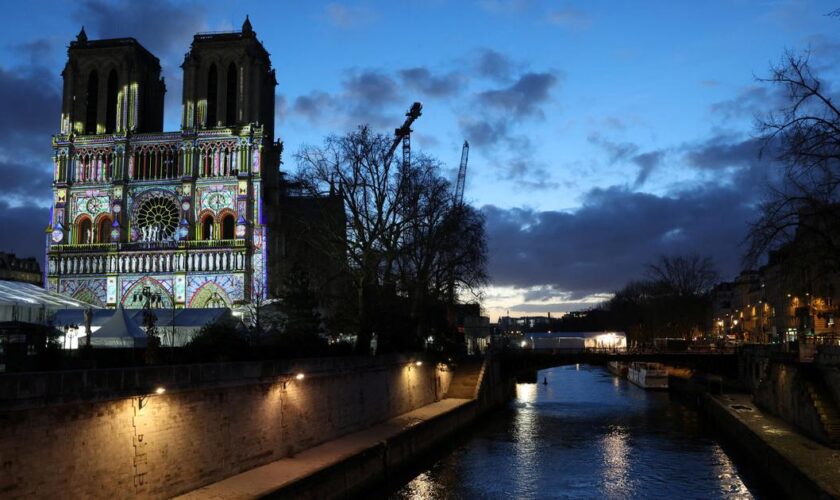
x,y
285,380
418,363
143,399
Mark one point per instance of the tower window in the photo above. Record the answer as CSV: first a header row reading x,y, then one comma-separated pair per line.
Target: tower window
x,y
111,103
230,106
104,230
83,231
212,95
92,102
227,227
207,227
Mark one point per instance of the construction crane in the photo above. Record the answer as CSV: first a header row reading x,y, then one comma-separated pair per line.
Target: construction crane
x,y
462,174
403,134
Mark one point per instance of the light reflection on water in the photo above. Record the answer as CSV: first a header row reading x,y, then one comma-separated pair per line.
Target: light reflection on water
x,y
586,434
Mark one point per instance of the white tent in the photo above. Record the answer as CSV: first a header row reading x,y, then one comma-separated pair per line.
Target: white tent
x,y
119,331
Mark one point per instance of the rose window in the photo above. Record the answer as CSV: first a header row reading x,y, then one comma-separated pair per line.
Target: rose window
x,y
158,218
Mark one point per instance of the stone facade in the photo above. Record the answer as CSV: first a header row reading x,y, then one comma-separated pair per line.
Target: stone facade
x,y
180,213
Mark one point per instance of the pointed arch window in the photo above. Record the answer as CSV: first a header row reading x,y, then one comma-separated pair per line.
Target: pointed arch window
x,y
111,103
228,227
212,95
104,230
207,227
230,105
83,231
92,102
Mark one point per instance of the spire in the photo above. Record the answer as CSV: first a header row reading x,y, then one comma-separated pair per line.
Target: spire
x,y
246,26
82,36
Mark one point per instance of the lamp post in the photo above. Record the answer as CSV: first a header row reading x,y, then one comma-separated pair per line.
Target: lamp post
x,y
149,299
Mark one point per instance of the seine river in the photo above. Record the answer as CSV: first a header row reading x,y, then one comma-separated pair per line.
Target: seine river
x,y
586,434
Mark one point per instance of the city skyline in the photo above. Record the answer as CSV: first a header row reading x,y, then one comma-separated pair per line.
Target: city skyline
x,y
565,108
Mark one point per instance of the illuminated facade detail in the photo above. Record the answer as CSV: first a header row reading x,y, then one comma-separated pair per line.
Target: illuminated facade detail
x,y
175,211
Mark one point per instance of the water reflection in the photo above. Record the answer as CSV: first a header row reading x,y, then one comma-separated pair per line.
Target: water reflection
x,y
586,434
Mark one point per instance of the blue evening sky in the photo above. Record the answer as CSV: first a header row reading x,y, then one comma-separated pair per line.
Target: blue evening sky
x,y
602,133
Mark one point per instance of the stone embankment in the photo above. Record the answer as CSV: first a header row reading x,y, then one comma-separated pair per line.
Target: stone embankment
x,y
347,466
110,433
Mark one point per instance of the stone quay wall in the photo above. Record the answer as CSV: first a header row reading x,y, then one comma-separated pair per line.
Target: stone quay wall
x,y
105,433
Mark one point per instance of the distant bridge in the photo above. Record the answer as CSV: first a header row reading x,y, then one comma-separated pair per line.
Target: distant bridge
x,y
525,363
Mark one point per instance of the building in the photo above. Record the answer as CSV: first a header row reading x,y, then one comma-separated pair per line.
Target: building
x,y
26,270
180,214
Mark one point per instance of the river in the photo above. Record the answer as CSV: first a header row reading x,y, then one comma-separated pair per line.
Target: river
x,y
584,434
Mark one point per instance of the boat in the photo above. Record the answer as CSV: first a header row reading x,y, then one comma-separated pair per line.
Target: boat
x,y
617,368
648,375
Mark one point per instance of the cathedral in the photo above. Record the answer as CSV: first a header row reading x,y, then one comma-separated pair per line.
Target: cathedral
x,y
180,216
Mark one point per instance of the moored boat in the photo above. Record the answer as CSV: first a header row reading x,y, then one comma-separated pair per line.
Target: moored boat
x,y
617,368
648,375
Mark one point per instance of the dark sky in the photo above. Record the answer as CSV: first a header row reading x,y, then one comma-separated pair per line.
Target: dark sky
x,y
602,135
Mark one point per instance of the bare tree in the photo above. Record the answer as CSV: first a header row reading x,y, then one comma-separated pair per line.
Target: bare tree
x,y
804,135
404,234
680,275
358,167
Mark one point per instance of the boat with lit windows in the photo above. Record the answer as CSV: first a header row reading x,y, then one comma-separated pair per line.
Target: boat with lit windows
x,y
648,375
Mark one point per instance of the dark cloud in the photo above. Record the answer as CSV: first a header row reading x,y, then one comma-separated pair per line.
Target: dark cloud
x,y
750,102
523,98
424,81
31,108
610,239
314,105
619,152
722,152
647,162
494,65
23,230
367,96
164,27
371,88
26,181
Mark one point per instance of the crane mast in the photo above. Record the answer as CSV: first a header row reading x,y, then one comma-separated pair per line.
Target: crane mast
x,y
462,174
403,134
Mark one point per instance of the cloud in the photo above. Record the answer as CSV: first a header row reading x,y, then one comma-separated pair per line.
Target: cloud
x,y
723,151
620,152
345,16
424,81
610,239
164,27
23,230
494,65
524,97
750,102
569,17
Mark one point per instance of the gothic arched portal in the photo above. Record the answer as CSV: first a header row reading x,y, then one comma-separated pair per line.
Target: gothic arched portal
x,y
210,295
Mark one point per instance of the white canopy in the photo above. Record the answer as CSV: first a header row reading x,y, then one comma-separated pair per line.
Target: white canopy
x,y
119,331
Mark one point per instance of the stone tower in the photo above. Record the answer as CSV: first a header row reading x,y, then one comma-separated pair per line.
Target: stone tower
x,y
111,86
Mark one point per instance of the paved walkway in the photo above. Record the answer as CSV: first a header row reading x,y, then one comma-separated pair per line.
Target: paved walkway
x,y
819,462
271,477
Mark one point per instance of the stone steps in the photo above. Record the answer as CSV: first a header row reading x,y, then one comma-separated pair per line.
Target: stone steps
x,y
465,380
826,410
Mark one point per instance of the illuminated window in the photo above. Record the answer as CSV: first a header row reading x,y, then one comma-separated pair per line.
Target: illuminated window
x,y
92,102
212,94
